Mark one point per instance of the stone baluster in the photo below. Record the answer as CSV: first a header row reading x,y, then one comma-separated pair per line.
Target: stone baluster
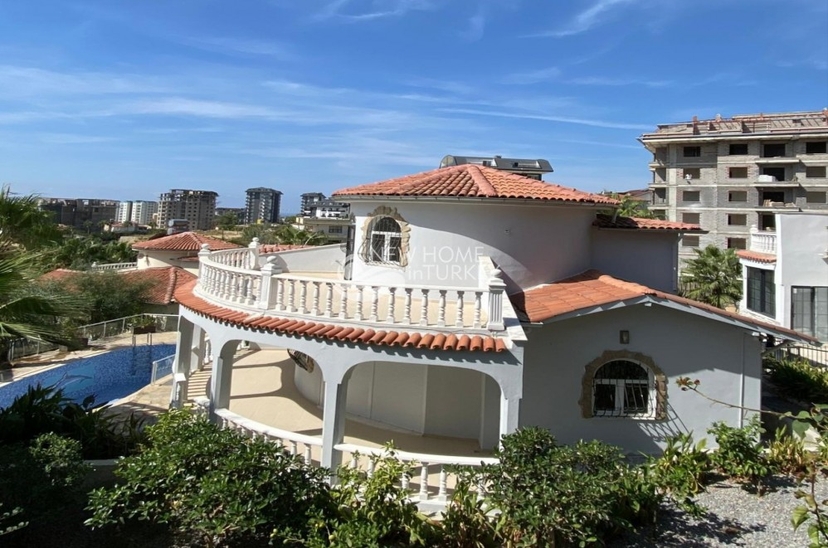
x,y
315,299
478,305
392,304
343,301
294,448
441,309
424,308
442,493
302,305
407,311
459,319
358,313
371,466
269,294
405,481
424,481
496,289
307,454
249,297
329,299
374,304
290,295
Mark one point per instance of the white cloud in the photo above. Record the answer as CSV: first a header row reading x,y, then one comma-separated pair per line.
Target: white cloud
x,y
241,46
26,82
367,10
603,81
532,77
550,118
586,19
194,107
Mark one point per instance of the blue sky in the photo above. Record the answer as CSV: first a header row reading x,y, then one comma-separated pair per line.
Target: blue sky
x,y
126,100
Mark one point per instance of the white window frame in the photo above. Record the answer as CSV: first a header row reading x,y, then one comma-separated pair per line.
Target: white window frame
x,y
620,394
388,238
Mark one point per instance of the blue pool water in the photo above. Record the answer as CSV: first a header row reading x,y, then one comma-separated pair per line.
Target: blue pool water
x,y
108,376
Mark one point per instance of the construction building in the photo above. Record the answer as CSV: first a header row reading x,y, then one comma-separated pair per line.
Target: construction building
x,y
262,205
731,174
143,212
534,169
198,207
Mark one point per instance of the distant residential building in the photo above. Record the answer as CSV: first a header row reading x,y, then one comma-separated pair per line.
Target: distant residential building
x,y
533,169
262,205
84,214
728,174
143,211
335,229
124,213
239,212
309,200
328,209
196,206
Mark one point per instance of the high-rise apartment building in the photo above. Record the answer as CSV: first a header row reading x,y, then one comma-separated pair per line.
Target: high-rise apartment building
x,y
124,212
86,214
142,212
731,174
198,207
262,205
309,200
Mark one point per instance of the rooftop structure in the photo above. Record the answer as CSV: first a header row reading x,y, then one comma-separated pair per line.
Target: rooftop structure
x,y
534,169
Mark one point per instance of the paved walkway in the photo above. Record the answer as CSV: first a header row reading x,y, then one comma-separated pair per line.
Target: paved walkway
x,y
262,390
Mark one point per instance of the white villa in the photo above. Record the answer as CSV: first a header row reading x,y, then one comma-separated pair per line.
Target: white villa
x,y
472,302
785,273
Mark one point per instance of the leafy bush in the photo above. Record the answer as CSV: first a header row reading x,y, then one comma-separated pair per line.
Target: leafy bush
x,y
786,454
466,520
374,511
550,495
682,471
47,409
740,454
41,477
798,379
215,486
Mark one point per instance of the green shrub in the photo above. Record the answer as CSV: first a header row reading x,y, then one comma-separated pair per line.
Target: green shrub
x,y
40,478
374,511
798,379
215,487
787,455
552,495
682,471
740,454
466,520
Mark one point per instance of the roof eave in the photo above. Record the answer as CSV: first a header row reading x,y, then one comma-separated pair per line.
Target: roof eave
x,y
472,199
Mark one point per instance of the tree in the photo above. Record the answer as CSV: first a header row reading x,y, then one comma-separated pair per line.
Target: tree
x,y
29,310
629,206
281,234
713,277
227,221
24,224
108,295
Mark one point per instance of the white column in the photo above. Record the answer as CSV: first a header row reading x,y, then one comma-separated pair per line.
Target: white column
x,y
509,414
181,366
333,422
222,376
197,354
497,288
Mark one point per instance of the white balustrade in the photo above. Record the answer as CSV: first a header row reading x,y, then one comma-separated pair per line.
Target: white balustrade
x,y
763,241
223,278
114,266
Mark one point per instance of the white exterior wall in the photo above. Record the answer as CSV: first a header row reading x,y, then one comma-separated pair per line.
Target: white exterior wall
x,y
646,257
680,344
327,258
531,243
802,245
156,258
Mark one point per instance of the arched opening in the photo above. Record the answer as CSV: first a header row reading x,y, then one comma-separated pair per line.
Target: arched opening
x,y
625,385
384,242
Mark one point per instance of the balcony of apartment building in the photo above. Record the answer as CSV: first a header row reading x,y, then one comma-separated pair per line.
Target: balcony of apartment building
x,y
313,284
776,153
660,159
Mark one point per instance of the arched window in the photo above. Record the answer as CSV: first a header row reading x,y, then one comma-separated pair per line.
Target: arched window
x,y
384,241
623,388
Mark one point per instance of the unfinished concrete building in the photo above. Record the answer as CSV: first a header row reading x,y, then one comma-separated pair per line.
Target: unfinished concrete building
x,y
732,175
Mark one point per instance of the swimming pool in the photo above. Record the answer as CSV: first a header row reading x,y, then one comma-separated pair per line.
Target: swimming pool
x,y
108,376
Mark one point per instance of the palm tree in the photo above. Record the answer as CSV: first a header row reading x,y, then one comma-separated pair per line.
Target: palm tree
x,y
27,311
713,277
23,223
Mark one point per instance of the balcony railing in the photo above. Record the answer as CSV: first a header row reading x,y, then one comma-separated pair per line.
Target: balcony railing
x,y
114,266
762,241
237,278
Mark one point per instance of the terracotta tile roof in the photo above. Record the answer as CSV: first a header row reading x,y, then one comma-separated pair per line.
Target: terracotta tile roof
x,y
304,328
756,256
163,280
273,248
592,288
606,221
184,241
473,181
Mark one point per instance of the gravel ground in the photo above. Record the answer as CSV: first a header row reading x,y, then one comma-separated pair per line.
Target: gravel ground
x,y
735,518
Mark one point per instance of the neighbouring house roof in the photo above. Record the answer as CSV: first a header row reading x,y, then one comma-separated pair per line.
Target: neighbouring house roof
x,y
756,256
273,248
303,328
638,223
592,291
163,280
183,241
473,181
